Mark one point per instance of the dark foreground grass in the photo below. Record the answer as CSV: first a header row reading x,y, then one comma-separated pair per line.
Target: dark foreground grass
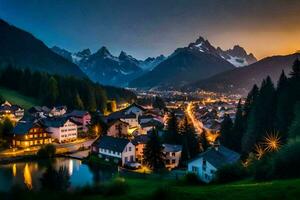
x,y
137,189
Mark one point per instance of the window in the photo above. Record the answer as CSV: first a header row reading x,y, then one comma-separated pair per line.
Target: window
x,y
195,169
204,165
129,149
173,154
173,161
167,161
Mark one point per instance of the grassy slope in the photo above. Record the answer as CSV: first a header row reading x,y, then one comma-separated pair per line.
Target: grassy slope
x,y
287,189
17,98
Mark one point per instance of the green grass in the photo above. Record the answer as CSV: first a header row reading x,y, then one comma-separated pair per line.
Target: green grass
x,y
17,98
144,189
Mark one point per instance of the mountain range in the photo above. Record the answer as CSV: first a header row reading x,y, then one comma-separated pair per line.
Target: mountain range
x,y
22,49
107,69
240,80
199,60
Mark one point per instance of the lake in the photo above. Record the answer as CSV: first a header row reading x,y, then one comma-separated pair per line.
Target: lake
x,y
28,174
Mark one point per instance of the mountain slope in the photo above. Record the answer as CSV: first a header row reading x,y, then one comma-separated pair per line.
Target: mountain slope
x,y
23,50
197,61
242,79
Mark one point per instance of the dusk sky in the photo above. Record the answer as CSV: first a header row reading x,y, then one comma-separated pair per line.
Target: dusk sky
x,y
145,28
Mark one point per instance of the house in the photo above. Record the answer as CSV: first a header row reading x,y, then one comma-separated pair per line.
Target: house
x,y
140,142
118,128
134,108
57,111
149,125
82,118
131,119
30,133
207,163
172,155
62,129
118,150
39,111
13,112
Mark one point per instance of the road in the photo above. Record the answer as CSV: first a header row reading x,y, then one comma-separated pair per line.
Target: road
x,y
199,127
196,123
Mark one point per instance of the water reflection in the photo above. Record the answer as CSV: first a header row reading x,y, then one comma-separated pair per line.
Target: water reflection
x,y
27,177
28,174
14,170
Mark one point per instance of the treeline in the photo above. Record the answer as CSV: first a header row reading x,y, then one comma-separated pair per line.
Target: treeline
x,y
268,113
53,90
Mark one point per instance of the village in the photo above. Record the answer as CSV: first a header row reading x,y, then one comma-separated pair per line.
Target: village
x,y
121,137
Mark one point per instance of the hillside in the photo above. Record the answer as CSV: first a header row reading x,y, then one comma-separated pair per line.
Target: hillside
x,y
23,50
17,98
242,79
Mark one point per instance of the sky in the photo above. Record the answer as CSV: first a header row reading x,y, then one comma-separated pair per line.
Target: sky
x,y
144,28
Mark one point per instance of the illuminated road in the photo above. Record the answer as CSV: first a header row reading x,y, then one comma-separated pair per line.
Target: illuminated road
x,y
199,127
196,123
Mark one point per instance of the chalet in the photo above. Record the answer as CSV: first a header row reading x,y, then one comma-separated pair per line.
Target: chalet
x,y
134,108
30,133
131,119
39,111
172,155
140,142
207,163
118,128
149,125
82,118
13,112
118,150
62,129
57,111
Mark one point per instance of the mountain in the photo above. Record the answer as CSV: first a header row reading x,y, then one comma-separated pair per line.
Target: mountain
x,y
107,69
240,80
23,50
199,60
151,62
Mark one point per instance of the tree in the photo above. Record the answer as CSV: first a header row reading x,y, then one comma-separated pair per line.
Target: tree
x,y
55,180
172,135
1,99
296,69
226,137
189,141
78,104
238,128
203,141
153,152
294,130
6,127
51,92
159,103
47,151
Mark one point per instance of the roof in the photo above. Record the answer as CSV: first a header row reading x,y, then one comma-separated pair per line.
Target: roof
x,y
152,123
55,121
7,106
135,105
172,148
111,143
140,139
23,128
77,113
220,157
115,121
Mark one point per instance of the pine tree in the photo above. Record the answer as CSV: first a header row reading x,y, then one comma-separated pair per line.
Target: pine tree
x,y
226,137
172,134
51,92
238,128
294,129
78,104
153,152
203,141
296,69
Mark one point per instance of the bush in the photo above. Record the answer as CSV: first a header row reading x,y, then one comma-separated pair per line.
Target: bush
x,y
286,163
47,151
117,187
192,179
162,193
262,169
229,173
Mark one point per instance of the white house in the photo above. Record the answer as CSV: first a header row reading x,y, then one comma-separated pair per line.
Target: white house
x,y
62,129
134,108
207,163
172,155
114,149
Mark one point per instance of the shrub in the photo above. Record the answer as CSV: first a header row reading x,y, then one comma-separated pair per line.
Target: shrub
x,y
229,173
262,169
192,179
117,187
47,151
286,163
162,193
